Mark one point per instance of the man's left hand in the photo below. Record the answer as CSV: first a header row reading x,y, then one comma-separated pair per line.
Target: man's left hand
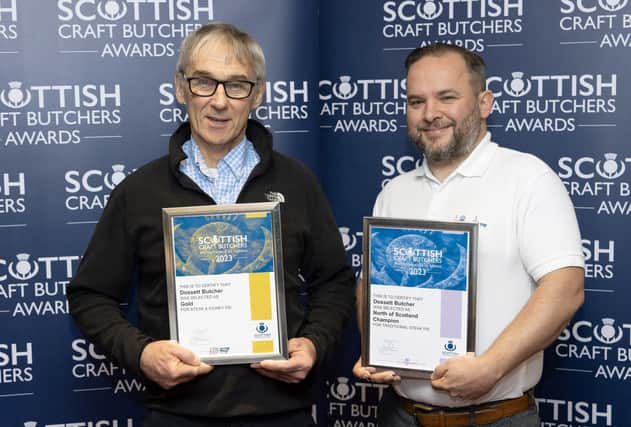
x,y
467,377
302,357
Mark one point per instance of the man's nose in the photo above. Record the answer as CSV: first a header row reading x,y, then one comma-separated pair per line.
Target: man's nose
x,y
431,111
219,99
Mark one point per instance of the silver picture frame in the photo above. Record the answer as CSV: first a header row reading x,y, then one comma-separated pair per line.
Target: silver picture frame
x,y
225,281
419,286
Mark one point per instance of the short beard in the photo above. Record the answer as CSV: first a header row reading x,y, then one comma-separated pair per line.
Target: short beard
x,y
462,144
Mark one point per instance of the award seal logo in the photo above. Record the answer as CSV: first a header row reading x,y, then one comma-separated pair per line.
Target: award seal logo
x,y
228,244
450,346
419,258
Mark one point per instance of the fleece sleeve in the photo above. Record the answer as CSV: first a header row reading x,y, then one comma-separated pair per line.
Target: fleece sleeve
x,y
102,282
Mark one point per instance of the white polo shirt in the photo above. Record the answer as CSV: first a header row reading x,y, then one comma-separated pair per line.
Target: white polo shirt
x,y
528,228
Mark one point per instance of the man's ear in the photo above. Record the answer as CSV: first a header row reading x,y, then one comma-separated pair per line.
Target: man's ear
x,y
258,94
180,87
485,103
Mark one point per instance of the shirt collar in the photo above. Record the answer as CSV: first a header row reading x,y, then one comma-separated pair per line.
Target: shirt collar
x,y
235,160
474,165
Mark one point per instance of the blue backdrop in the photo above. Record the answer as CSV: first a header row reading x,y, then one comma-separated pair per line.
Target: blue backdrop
x,y
86,96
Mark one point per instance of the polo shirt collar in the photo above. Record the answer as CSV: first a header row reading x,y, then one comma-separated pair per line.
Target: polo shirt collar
x,y
474,165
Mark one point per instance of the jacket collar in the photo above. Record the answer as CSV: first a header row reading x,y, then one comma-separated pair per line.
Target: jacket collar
x,y
257,133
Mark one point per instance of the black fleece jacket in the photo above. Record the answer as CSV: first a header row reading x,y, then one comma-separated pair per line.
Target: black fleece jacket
x,y
129,240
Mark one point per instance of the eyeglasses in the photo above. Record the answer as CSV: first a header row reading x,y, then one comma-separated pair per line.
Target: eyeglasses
x,y
205,86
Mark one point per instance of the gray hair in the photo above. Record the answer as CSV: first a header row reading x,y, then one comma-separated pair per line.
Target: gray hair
x,y
246,49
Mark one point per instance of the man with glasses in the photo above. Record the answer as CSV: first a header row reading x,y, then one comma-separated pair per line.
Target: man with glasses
x,y
218,156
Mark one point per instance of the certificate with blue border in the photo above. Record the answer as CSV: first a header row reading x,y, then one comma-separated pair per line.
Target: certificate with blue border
x,y
225,281
418,287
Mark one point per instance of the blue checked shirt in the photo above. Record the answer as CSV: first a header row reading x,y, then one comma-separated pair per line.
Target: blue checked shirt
x,y
224,183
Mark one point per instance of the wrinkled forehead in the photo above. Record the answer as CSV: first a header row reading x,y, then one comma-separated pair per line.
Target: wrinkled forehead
x,y
223,52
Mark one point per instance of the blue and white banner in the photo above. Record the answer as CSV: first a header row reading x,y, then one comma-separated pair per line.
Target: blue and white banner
x,y
87,96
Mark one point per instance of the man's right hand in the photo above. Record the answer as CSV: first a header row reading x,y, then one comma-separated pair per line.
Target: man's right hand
x,y
168,364
368,373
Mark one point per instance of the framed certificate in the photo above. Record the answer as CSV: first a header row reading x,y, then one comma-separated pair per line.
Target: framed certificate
x,y
225,281
419,287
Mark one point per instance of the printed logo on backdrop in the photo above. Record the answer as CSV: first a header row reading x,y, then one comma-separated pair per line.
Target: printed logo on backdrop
x,y
470,24
34,114
16,365
34,285
598,183
352,403
599,259
171,112
285,101
598,348
566,413
92,372
89,190
128,28
605,23
352,241
129,422
392,166
360,105
552,103
8,23
12,194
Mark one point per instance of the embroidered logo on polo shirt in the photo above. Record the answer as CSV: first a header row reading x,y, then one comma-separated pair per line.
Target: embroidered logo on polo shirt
x,y
273,196
463,218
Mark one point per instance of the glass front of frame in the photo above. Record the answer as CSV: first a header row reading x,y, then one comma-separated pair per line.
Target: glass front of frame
x,y
419,284
225,281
